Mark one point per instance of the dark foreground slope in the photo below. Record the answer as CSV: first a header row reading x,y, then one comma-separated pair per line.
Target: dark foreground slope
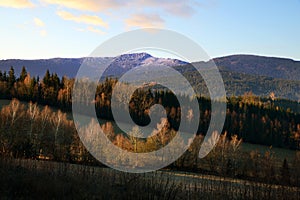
x,y
28,179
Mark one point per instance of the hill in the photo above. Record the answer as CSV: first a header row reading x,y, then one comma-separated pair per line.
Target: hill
x,y
241,73
70,66
280,68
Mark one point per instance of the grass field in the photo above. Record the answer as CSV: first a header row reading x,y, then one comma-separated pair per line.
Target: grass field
x,y
32,179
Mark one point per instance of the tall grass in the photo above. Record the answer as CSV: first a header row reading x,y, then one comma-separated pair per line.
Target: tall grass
x,y
33,179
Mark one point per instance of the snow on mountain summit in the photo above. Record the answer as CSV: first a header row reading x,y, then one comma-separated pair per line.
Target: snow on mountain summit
x,y
129,61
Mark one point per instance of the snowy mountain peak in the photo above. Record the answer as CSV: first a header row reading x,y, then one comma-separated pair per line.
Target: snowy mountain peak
x,y
130,61
133,56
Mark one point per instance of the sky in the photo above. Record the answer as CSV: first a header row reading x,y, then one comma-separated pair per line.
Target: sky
x,y
35,29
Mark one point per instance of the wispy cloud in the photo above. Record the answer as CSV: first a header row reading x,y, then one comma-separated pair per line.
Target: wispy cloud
x,y
43,33
138,13
87,5
145,21
38,22
87,19
90,29
16,3
177,8
95,30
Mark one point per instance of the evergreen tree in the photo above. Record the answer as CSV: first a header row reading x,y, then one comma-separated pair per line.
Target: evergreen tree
x,y
4,77
11,77
46,79
23,74
55,82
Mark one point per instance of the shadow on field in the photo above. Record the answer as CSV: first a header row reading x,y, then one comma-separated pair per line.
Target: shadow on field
x,y
33,179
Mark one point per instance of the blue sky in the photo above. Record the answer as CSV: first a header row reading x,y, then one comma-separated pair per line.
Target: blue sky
x,y
32,29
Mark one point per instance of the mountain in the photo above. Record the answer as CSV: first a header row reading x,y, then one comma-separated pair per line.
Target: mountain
x,y
126,62
281,68
70,66
61,66
241,73
258,74
237,84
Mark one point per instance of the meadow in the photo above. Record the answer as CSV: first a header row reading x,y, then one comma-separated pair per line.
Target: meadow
x,y
32,179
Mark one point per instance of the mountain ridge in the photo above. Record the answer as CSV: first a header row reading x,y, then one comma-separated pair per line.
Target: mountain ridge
x,y
241,73
70,66
282,68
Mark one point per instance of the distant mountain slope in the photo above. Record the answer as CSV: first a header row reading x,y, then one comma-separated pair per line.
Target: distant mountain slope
x,y
61,66
249,64
70,66
281,68
239,83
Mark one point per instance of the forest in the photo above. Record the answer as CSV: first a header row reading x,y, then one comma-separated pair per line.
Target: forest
x,y
258,120
38,139
29,131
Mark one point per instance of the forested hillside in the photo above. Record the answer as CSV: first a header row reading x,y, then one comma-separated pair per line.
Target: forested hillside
x,y
38,132
281,68
267,121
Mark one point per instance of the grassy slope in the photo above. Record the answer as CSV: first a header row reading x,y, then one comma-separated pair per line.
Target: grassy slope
x,y
27,179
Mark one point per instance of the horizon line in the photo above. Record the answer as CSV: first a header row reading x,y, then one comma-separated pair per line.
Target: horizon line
x,y
216,57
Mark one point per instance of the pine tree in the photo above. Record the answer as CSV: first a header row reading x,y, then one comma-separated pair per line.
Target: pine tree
x,y
11,77
4,76
23,74
46,79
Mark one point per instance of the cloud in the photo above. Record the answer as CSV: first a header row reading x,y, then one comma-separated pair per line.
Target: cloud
x,y
90,29
43,33
16,3
94,30
138,13
178,8
38,22
145,21
87,5
175,7
87,19
181,10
